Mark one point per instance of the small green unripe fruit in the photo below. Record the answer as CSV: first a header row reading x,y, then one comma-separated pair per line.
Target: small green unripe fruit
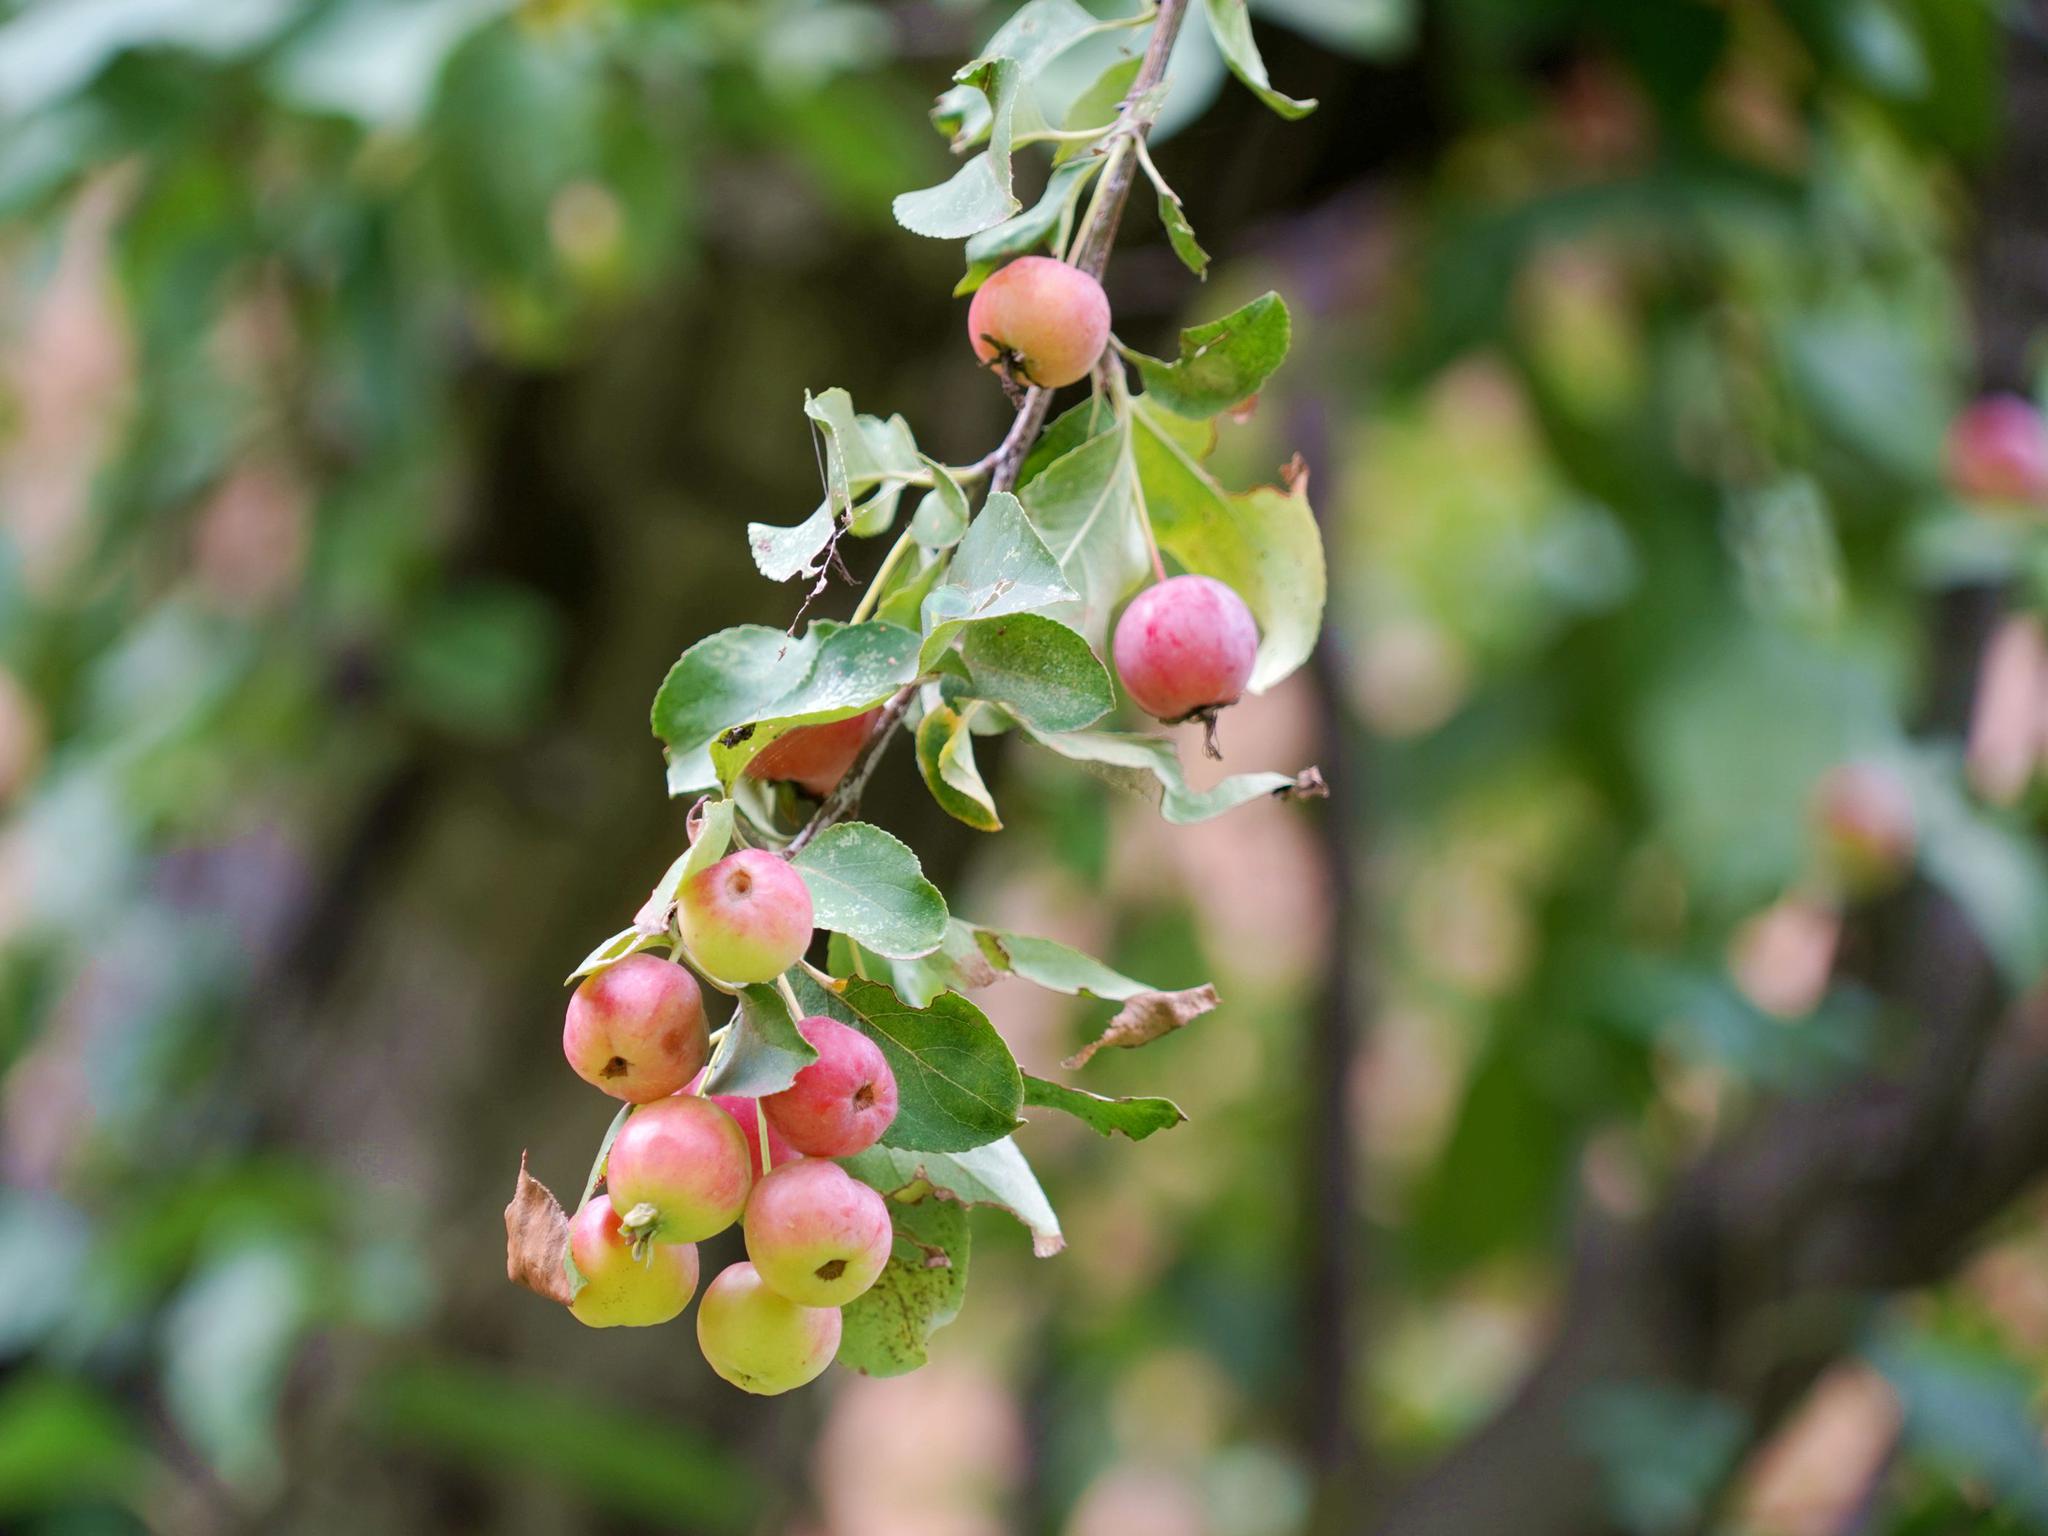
x,y
1044,321
619,1290
817,1235
747,918
759,1341
678,1172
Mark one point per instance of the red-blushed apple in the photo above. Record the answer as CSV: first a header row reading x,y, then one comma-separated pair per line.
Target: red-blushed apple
x,y
746,918
817,1235
747,1112
679,1171
1184,648
1040,319
620,1290
759,1341
814,757
1998,452
841,1103
636,1029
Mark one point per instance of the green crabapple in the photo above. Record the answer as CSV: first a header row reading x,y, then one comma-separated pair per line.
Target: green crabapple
x,y
1040,320
746,918
814,757
679,1171
1997,451
817,1235
750,1117
841,1103
619,1289
636,1029
1185,647
759,1341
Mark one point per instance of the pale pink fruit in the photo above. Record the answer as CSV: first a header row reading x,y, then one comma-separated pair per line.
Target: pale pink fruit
x,y
1868,829
621,1290
841,1103
636,1029
1185,647
749,1116
759,1341
818,1236
1044,321
1998,451
679,1172
814,757
746,918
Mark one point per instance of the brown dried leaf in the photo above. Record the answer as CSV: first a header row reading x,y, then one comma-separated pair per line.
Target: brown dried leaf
x,y
1144,1018
537,1239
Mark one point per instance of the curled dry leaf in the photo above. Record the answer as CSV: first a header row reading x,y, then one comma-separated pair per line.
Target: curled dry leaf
x,y
537,1239
1145,1018
1308,784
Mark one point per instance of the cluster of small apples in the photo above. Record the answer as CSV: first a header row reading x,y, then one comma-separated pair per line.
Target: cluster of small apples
x,y
1184,648
1997,452
687,1165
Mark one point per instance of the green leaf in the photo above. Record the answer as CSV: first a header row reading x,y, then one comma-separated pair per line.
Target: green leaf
x,y
714,836
1034,227
1993,871
945,756
1135,1118
862,454
1264,543
1180,234
957,965
1222,363
1148,766
1147,1012
978,195
1230,22
722,680
956,1085
1038,32
941,517
886,1330
850,669
1037,669
1001,567
1970,1412
904,593
868,885
1083,504
761,1051
627,941
996,1175
1099,106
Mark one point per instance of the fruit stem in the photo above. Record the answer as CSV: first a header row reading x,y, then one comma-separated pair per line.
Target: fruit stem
x,y
1119,389
873,595
604,1150
761,1130
796,1009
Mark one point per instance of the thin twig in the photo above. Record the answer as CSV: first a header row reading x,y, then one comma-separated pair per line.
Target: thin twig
x,y
1091,255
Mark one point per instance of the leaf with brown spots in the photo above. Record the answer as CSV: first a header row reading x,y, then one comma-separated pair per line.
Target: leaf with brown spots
x,y
1144,1018
537,1239
887,1331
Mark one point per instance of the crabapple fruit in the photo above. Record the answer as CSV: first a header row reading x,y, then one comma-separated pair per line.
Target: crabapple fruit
x,y
1185,647
817,1235
678,1171
841,1103
814,757
636,1029
1045,321
759,1341
1998,451
619,1290
747,918
749,1116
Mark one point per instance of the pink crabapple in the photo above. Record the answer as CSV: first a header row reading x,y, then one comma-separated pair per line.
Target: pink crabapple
x,y
1868,831
747,1112
759,1341
636,1029
817,1235
620,1290
679,1171
1184,649
1040,320
841,1103
1997,451
746,918
814,757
